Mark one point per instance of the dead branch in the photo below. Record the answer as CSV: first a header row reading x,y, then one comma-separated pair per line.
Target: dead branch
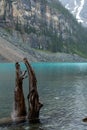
x,y
33,97
19,101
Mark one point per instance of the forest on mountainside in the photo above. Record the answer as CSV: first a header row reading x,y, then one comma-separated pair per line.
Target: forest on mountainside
x,y
44,25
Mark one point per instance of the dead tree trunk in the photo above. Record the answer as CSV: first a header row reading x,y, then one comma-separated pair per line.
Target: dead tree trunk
x,y
19,101
33,97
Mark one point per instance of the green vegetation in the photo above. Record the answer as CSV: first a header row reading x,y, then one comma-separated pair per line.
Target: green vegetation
x,y
68,36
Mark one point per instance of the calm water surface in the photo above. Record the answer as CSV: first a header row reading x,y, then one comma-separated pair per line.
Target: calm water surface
x,y
62,88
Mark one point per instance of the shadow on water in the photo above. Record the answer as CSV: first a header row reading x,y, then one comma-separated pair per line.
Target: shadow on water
x,y
23,126
46,123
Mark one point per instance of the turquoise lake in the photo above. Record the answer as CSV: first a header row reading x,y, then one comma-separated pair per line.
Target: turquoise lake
x,y
62,89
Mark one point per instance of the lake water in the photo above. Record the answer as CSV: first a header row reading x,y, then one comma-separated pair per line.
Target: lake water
x,y
62,89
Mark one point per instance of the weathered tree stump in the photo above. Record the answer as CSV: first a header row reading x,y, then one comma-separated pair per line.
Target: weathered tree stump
x,y
19,101
33,97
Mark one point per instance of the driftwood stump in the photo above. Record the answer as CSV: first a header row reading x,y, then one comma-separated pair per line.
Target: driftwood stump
x,y
33,97
19,101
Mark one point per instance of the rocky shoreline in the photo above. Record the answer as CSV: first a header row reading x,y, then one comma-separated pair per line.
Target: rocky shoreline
x,y
12,53
3,59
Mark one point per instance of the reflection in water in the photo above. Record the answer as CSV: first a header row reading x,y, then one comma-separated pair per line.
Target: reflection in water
x,y
27,127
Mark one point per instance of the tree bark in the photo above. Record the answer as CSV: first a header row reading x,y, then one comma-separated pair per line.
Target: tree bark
x,y
33,97
19,101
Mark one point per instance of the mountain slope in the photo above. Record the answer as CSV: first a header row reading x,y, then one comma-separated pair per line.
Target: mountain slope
x,y
11,53
78,8
44,25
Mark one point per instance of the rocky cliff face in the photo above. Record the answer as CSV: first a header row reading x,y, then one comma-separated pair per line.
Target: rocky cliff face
x,y
42,24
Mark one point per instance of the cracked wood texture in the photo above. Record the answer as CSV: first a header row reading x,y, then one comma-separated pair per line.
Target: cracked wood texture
x,y
33,97
19,101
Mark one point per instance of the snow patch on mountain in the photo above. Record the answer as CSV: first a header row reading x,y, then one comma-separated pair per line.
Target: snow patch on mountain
x,y
78,17
77,8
